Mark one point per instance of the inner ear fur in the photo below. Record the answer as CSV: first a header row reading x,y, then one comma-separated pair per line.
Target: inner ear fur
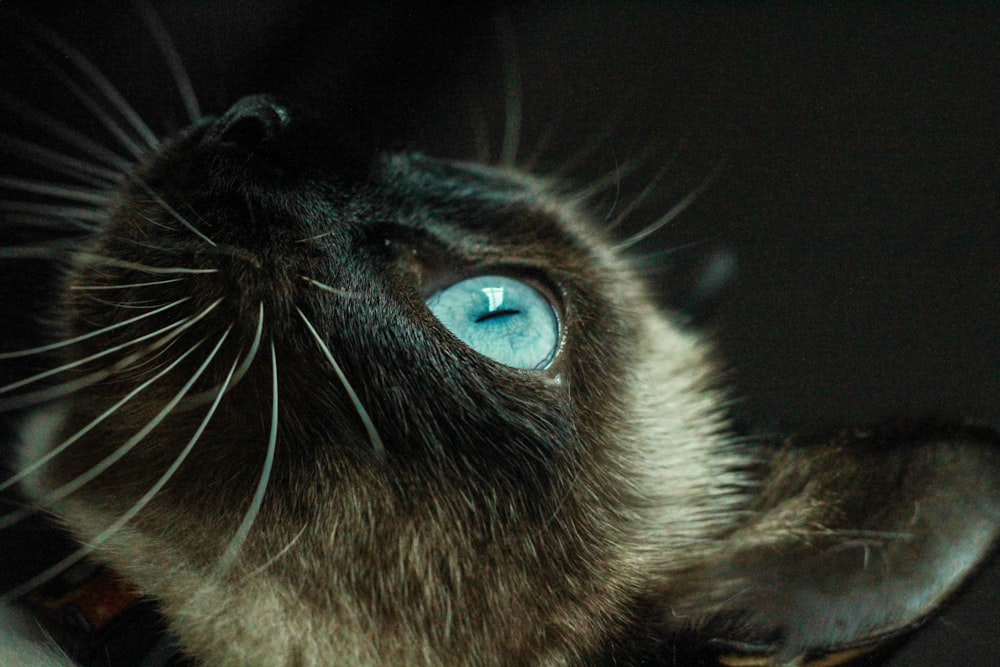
x,y
855,537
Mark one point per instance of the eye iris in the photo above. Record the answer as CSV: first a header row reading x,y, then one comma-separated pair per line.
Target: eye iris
x,y
501,318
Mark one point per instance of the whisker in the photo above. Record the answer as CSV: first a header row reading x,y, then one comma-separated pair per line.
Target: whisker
x,y
150,283
600,185
369,425
183,326
40,222
94,471
329,288
278,556
85,550
199,399
174,214
102,260
172,58
310,239
94,423
62,131
243,531
618,186
588,149
50,210
102,84
78,362
548,133
145,304
49,251
86,336
60,163
92,105
639,199
173,330
513,92
41,396
66,192
613,178
675,211
651,263
480,133
158,248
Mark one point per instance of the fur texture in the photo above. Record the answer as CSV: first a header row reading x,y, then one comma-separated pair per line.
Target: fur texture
x,y
276,439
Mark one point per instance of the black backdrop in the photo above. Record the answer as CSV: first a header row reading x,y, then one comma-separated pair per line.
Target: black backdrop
x,y
859,188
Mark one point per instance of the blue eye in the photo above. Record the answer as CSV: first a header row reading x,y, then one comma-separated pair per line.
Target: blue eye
x,y
501,318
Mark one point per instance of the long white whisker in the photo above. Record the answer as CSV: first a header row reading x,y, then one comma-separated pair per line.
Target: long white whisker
x,y
111,530
102,83
613,178
199,399
67,192
145,304
591,147
480,133
172,59
79,362
183,326
253,511
373,435
49,210
173,330
94,471
61,163
276,557
102,260
329,288
51,393
513,92
651,263
151,283
52,250
670,215
91,334
603,183
39,222
94,423
91,104
174,214
544,139
62,131
639,199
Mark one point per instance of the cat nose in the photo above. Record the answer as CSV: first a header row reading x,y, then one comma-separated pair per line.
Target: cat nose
x,y
253,121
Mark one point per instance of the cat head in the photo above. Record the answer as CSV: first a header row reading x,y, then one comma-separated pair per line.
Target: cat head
x,y
335,404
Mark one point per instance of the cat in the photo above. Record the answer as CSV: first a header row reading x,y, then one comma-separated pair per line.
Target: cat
x,y
300,423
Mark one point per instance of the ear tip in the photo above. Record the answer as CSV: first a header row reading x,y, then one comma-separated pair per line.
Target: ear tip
x,y
898,516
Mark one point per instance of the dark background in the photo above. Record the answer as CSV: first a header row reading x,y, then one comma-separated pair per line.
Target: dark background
x,y
859,188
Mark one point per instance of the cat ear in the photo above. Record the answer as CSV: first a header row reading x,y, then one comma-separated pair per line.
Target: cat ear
x,y
854,539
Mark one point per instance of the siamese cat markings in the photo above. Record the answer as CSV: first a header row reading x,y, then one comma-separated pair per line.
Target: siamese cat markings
x,y
326,405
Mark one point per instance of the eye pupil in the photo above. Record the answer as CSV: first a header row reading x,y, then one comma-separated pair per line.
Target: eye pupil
x,y
501,318
503,312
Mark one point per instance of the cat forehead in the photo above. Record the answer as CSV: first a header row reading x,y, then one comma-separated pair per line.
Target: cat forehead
x,y
420,173
464,202
331,191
